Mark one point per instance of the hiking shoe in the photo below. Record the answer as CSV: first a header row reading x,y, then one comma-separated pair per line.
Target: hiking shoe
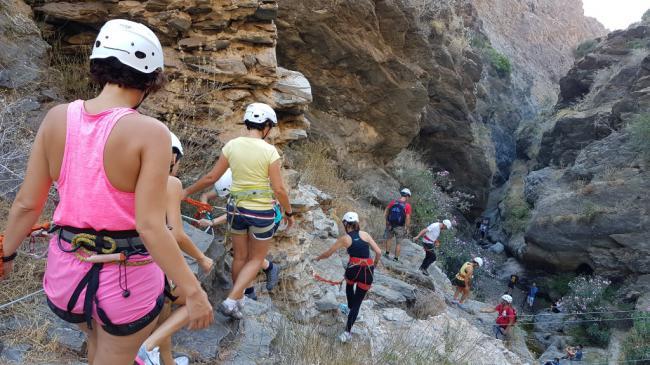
x,y
396,259
344,309
463,307
272,277
454,301
145,357
424,272
182,360
230,312
386,254
345,337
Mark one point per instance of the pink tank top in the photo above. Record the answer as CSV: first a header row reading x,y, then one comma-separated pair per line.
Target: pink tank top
x,y
87,198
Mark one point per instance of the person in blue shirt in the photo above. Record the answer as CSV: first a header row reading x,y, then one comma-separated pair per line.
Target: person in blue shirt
x,y
532,292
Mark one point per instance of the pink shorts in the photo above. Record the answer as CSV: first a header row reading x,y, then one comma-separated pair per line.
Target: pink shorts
x,y
128,297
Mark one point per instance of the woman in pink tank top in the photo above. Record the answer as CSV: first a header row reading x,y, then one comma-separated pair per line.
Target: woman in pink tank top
x,y
110,243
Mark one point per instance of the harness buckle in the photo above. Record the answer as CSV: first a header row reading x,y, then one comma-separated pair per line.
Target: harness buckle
x,y
90,240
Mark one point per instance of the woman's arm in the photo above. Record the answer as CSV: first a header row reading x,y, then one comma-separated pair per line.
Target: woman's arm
x,y
280,189
374,246
210,178
174,198
31,197
155,154
340,243
205,197
422,232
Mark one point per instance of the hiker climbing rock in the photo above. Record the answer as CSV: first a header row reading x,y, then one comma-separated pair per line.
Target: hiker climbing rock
x,y
398,221
360,268
157,348
430,242
532,292
514,279
111,165
463,280
222,190
506,317
257,180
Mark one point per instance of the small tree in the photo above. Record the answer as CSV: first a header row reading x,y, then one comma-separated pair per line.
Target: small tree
x,y
586,295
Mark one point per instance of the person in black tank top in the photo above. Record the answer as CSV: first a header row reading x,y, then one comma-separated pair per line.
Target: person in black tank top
x,y
360,269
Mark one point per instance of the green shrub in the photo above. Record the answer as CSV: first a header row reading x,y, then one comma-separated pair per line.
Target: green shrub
x,y
638,44
586,295
637,343
479,41
590,211
559,284
517,214
499,62
639,130
585,48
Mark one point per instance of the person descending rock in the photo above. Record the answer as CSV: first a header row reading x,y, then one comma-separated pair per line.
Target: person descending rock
x,y
222,190
157,348
506,317
514,279
532,292
360,268
257,179
398,221
430,242
111,166
463,279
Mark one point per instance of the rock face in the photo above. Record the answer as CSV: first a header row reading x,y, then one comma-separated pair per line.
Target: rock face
x,y
589,186
392,74
219,56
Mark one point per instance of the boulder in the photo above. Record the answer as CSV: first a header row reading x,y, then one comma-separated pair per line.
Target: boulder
x,y
291,90
497,248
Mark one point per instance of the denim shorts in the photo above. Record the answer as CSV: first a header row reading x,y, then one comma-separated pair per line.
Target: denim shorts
x,y
260,223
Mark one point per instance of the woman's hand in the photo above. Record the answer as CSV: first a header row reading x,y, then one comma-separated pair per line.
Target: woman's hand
x,y
199,310
206,264
205,223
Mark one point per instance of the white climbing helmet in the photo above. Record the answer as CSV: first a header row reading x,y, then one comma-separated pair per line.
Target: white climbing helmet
x,y
259,113
176,144
133,44
351,217
479,261
222,186
506,298
405,192
447,223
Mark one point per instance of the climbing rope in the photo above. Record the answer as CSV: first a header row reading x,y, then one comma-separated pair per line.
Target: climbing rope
x,y
39,227
9,304
580,313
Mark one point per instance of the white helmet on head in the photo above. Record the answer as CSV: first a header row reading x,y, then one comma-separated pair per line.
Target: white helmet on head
x,y
447,223
133,44
478,260
405,192
351,217
176,145
259,113
223,185
506,298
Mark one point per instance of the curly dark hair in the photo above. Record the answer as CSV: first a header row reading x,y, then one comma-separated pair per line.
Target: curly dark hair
x,y
111,71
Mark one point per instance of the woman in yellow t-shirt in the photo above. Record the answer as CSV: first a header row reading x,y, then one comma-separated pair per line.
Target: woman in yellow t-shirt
x,y
257,180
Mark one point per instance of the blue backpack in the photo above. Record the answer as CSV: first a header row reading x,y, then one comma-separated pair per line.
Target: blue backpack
x,y
397,214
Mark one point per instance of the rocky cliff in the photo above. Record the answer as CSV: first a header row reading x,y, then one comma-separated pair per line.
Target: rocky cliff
x,y
588,184
389,75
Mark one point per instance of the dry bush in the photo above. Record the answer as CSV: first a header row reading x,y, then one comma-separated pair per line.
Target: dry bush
x,y
309,344
428,304
588,189
70,73
319,168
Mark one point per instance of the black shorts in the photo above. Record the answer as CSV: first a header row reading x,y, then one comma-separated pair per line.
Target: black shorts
x,y
458,283
359,274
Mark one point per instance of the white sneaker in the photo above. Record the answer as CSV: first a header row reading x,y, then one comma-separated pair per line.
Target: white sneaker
x,y
345,336
230,312
182,360
145,357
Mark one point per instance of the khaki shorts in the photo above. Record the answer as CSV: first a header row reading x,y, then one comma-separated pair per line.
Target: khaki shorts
x,y
398,232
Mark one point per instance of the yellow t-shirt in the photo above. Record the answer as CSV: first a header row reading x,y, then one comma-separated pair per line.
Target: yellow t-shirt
x,y
249,159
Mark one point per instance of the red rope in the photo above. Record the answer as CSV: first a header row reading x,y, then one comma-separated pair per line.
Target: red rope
x,y
330,282
202,206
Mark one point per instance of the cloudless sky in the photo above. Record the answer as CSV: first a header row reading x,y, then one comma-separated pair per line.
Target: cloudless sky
x,y
616,14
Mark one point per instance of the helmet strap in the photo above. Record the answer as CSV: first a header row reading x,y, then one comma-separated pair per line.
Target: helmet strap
x,y
144,96
267,132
